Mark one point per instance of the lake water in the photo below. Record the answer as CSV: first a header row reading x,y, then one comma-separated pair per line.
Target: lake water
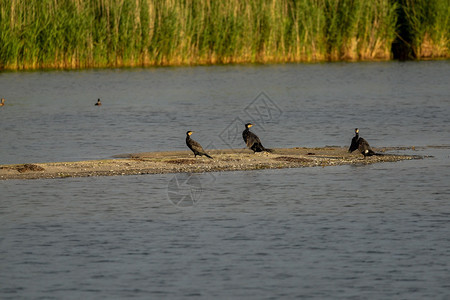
x,y
348,232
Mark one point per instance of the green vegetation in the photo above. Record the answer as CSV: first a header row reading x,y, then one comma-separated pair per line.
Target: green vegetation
x,y
429,27
114,33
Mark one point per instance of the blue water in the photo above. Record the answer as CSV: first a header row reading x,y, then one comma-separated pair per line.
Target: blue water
x,y
348,232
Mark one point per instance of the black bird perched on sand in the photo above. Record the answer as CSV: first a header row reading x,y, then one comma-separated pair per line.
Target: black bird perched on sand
x,y
354,144
98,103
361,144
195,146
252,140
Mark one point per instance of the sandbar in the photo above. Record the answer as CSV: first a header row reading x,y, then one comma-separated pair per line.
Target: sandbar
x,y
184,162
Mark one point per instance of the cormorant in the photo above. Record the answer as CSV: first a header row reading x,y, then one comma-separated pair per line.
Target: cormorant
x,y
98,102
252,140
361,144
195,146
2,102
354,144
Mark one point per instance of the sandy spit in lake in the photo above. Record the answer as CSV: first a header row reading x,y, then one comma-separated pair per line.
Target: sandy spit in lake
x,y
184,162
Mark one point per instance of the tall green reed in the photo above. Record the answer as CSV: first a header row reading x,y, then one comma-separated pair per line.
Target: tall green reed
x,y
429,26
109,33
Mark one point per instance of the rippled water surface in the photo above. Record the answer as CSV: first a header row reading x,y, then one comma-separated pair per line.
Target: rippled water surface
x,y
349,232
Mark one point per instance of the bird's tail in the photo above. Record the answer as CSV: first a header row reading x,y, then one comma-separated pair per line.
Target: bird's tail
x,y
372,153
268,150
207,155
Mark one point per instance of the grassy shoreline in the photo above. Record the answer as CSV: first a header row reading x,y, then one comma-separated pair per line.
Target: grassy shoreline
x,y
73,34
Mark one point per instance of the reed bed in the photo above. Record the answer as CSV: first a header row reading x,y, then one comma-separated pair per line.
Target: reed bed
x,y
116,33
428,24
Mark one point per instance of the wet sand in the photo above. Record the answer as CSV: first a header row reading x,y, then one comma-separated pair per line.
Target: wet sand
x,y
184,162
